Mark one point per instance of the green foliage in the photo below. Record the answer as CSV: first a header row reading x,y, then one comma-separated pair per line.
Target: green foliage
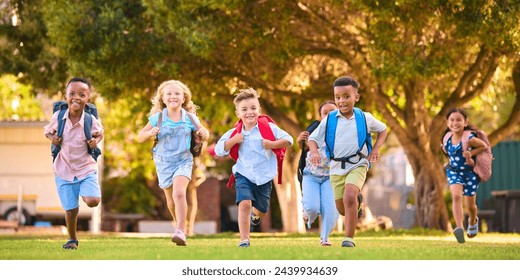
x,y
17,102
25,50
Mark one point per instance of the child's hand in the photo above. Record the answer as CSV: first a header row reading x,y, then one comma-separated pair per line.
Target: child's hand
x,y
154,131
373,157
315,158
92,142
267,144
203,133
469,159
56,140
303,136
237,138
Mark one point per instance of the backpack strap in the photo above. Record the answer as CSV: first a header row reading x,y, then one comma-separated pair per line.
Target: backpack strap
x,y
267,133
156,139
303,156
87,128
192,120
233,152
364,137
59,132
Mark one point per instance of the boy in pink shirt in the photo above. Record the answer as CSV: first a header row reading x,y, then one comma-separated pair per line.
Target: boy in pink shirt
x,y
75,170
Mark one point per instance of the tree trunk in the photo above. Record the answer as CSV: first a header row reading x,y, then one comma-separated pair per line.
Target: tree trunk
x,y
430,184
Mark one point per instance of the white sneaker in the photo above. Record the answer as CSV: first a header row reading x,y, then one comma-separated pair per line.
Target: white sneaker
x,y
179,238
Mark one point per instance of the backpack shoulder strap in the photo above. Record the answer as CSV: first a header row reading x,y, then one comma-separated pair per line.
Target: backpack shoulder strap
x,y
361,126
267,133
465,139
87,125
233,152
61,123
330,132
192,120
156,139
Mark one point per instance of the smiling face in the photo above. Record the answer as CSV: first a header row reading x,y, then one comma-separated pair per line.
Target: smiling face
x,y
248,111
345,98
326,109
456,122
173,96
77,96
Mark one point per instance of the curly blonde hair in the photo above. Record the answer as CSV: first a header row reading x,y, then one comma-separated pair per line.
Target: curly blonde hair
x,y
158,104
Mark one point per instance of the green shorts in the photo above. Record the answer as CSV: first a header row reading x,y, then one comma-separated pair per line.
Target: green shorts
x,y
355,177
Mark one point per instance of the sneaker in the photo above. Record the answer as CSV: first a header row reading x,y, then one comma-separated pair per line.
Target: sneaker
x,y
325,243
255,220
179,238
360,205
348,242
244,243
459,234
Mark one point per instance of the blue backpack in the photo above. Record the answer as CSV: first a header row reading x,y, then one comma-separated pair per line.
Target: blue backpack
x,y
364,137
90,110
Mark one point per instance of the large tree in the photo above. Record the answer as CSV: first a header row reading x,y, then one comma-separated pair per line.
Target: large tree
x,y
415,60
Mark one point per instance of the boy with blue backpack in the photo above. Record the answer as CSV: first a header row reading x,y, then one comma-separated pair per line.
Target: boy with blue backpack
x,y
347,135
75,131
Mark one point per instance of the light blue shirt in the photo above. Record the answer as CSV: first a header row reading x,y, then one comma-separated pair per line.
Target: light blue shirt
x,y
254,162
346,140
174,132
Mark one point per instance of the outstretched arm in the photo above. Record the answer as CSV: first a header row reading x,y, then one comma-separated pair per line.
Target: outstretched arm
x,y
381,137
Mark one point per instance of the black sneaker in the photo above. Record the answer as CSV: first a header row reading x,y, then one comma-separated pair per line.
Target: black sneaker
x,y
360,206
255,220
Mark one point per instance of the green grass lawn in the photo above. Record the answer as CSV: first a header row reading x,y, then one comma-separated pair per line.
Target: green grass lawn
x,y
384,245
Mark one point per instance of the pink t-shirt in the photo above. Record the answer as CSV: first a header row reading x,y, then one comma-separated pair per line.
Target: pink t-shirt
x,y
73,160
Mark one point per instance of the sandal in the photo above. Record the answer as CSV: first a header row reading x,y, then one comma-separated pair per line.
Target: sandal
x,y
348,242
72,244
472,230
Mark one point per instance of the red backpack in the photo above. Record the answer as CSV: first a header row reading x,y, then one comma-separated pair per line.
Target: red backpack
x,y
267,133
483,161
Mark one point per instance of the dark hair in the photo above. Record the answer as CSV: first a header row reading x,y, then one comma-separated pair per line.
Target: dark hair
x,y
464,114
346,81
78,79
325,103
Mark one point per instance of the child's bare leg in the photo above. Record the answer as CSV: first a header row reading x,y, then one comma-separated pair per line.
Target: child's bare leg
x,y
471,206
340,207
180,184
350,205
257,213
92,201
456,206
244,213
168,194
71,219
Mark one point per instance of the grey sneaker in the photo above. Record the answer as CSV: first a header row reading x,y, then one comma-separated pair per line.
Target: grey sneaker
x,y
459,234
244,243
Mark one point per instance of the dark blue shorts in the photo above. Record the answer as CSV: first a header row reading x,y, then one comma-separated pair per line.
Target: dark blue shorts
x,y
258,194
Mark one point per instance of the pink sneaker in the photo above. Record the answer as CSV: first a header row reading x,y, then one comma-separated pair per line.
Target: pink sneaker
x,y
179,238
325,243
